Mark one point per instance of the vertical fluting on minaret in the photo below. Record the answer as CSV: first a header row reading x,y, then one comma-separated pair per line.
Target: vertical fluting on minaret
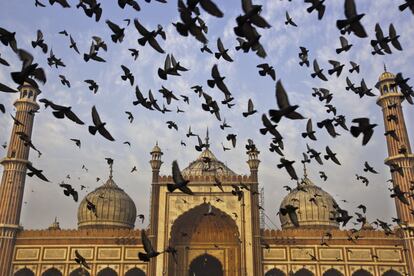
x,y
14,174
253,162
399,154
156,163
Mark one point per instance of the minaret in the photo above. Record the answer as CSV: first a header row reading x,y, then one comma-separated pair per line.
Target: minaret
x,y
399,153
156,163
14,174
253,163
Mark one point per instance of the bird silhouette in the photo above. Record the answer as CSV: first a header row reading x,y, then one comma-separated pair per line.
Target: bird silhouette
x,y
99,126
179,182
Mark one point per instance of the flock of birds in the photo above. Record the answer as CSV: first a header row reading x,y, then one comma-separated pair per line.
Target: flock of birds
x,y
246,30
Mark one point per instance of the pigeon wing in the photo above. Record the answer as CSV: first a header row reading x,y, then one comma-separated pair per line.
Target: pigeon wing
x,y
95,117
281,95
176,173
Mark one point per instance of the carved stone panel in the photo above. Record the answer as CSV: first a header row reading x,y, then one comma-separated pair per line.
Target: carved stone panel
x,y
389,255
359,254
27,254
274,254
330,253
86,252
109,253
302,253
131,253
55,253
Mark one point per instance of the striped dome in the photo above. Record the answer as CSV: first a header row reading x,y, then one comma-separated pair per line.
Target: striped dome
x,y
114,208
213,168
310,214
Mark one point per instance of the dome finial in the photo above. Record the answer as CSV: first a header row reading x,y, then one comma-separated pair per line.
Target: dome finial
x,y
110,162
110,169
385,67
206,143
305,173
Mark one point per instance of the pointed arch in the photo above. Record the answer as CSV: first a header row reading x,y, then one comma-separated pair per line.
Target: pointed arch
x,y
303,272
391,272
195,222
135,272
24,272
80,272
52,272
203,226
206,265
275,272
107,272
361,272
332,272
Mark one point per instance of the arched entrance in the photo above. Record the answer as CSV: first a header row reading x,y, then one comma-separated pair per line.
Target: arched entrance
x,y
52,272
275,272
80,272
206,265
361,272
392,272
107,272
205,230
135,272
24,272
303,272
332,272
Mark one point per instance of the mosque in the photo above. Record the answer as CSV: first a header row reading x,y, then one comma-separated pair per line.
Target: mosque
x,y
214,232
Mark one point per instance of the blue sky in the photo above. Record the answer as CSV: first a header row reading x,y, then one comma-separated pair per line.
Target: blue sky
x,y
60,156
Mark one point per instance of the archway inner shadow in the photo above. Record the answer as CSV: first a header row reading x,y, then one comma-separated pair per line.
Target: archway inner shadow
x,y
205,228
206,265
52,272
24,272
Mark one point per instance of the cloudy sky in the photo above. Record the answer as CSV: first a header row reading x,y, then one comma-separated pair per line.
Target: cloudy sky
x,y
44,201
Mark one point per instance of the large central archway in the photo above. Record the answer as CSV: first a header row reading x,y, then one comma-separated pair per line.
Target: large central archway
x,y
205,231
206,265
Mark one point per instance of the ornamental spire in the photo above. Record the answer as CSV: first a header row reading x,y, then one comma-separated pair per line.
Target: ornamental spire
x,y
206,142
305,173
110,169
